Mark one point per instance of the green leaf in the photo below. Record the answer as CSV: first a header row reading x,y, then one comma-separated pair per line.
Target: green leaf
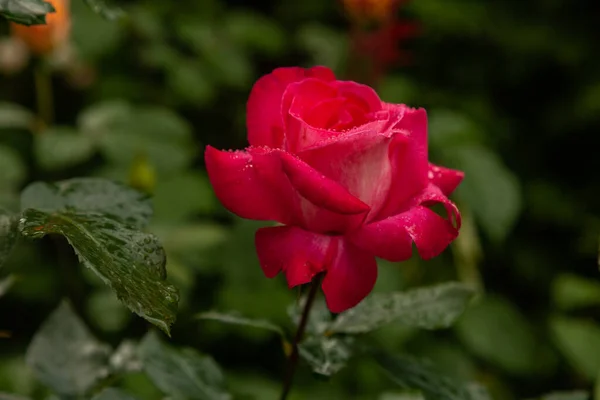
x,y
15,116
132,263
12,169
236,319
181,373
65,356
58,148
410,373
326,355
579,341
570,291
496,331
112,394
89,195
26,12
490,190
108,12
429,308
572,395
99,219
9,233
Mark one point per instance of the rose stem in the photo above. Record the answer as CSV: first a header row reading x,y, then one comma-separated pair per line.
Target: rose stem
x,y
43,90
293,360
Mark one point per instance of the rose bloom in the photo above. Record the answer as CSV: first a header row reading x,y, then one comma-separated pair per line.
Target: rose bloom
x,y
43,39
345,173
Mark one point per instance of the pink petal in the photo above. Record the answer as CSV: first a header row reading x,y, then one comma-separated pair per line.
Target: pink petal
x,y
361,95
358,161
298,253
252,184
392,238
349,278
320,190
263,119
445,178
408,156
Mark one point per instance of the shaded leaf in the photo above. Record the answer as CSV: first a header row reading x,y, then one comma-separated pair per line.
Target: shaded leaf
x,y
326,355
157,133
430,308
65,356
89,195
12,168
579,341
132,263
236,319
9,232
411,373
58,148
255,31
181,373
113,394
571,291
15,116
109,12
26,12
496,331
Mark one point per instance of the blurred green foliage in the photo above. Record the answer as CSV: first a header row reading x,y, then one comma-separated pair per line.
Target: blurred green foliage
x,y
512,92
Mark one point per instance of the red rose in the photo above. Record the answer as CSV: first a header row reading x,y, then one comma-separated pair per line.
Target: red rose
x,y
348,176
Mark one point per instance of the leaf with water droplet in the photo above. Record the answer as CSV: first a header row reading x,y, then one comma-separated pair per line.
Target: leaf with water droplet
x,y
26,12
100,219
65,356
132,263
90,194
326,355
431,307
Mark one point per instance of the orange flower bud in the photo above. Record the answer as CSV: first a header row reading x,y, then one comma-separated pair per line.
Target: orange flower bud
x,y
43,39
370,10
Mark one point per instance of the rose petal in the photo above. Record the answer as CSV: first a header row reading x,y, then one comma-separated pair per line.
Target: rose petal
x,y
359,162
252,184
349,278
361,95
408,157
298,253
445,178
320,190
392,238
263,110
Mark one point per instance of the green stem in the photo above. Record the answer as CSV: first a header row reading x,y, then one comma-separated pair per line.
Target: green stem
x,y
44,96
293,360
